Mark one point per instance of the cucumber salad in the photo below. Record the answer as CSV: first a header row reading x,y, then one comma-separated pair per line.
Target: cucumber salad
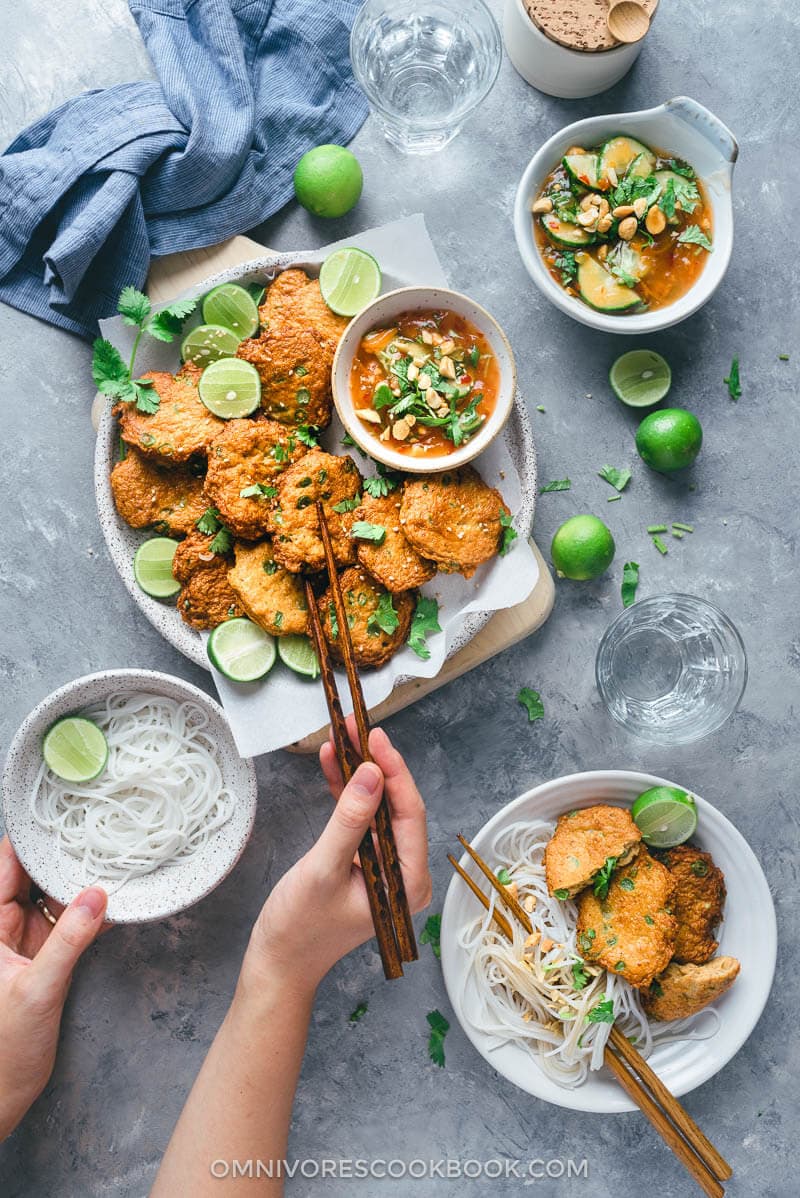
x,y
623,227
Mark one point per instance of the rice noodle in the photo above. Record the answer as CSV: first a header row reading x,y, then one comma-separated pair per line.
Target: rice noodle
x,y
158,801
528,997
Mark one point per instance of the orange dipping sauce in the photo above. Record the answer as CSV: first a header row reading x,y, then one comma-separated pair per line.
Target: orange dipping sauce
x,y
426,384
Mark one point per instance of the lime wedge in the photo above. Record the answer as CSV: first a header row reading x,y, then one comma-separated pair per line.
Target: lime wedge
x,y
241,650
75,749
665,816
299,655
232,307
152,568
207,343
230,387
349,280
640,378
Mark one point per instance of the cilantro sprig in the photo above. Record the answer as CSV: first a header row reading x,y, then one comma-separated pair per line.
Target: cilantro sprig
x,y
211,525
508,534
431,934
384,618
439,1028
619,479
531,700
602,879
733,381
630,581
694,235
425,620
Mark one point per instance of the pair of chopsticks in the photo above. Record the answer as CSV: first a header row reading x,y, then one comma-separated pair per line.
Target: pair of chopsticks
x,y
391,915
675,1126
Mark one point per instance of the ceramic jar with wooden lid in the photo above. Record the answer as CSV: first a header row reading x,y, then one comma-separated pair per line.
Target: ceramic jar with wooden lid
x,y
564,47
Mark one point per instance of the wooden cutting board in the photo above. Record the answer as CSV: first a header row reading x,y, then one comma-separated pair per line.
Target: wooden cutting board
x,y
175,273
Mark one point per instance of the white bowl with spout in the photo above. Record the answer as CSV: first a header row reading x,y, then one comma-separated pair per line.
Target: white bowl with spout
x,y
681,127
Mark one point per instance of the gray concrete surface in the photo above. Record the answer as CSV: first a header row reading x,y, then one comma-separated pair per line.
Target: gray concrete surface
x,y
147,1002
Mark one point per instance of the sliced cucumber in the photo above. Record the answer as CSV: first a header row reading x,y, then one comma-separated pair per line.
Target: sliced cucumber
x,y
564,233
641,167
582,168
627,259
600,290
619,153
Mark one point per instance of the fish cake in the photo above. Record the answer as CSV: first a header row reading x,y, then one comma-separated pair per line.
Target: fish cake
x,y
582,843
295,300
181,426
206,598
295,373
271,596
368,606
293,522
145,493
683,990
395,563
246,454
631,932
699,900
453,519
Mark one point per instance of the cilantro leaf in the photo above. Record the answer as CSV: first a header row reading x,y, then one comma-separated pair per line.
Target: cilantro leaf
x,y
603,1012
733,381
362,530
109,372
680,168
347,505
503,876
307,435
686,194
602,879
258,491
560,484
580,978
667,201
381,484
223,542
439,1029
509,533
565,263
531,700
431,934
630,581
694,235
425,620
147,398
619,479
384,618
209,522
358,1013
166,324
133,306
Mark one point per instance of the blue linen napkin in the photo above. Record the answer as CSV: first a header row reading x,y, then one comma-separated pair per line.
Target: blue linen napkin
x,y
92,190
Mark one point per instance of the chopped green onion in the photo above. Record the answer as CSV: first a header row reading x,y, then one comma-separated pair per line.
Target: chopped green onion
x,y
783,357
651,528
684,527
676,532
659,544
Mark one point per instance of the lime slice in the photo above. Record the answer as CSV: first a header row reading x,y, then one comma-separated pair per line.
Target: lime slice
x,y
665,816
299,655
349,280
152,568
241,650
75,749
207,343
640,378
232,307
230,387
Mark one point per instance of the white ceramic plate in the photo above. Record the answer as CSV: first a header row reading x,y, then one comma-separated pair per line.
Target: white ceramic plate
x,y
748,932
123,541
170,888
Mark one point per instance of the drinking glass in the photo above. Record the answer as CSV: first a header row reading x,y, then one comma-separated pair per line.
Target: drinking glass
x,y
425,66
671,669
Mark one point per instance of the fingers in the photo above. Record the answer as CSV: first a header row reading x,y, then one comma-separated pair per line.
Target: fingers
x,y
351,818
80,923
14,882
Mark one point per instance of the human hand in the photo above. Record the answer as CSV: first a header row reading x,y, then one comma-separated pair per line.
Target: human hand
x,y
36,964
319,911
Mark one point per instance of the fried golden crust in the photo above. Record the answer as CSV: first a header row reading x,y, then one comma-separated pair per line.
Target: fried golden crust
x,y
371,645
699,900
453,519
206,598
295,300
243,455
630,932
192,554
683,990
395,563
295,373
582,843
146,493
293,521
181,427
271,596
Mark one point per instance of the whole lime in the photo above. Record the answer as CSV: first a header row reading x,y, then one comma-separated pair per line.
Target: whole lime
x,y
328,180
582,548
669,439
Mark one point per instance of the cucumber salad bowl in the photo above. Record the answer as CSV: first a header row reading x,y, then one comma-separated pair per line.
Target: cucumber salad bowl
x,y
669,146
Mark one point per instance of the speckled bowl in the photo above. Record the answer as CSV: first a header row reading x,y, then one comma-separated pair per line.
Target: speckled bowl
x,y
168,889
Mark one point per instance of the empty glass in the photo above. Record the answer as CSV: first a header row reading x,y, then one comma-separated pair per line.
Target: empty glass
x,y
425,66
671,669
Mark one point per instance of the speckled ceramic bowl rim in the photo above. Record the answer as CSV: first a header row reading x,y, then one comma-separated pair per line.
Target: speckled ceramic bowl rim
x,y
420,299
190,881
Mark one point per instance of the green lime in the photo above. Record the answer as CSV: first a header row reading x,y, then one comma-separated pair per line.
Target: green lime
x,y
241,650
582,548
665,816
207,343
233,307
152,567
75,749
299,655
230,387
328,180
669,439
349,280
640,378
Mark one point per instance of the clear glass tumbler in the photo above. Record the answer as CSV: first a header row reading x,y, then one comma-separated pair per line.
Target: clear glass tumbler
x,y
671,669
425,66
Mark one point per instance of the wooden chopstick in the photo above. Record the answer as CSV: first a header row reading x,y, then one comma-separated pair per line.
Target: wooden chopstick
x,y
513,905
695,1151
348,763
398,901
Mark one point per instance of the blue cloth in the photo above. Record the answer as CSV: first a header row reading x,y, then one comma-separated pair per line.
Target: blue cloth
x,y
90,191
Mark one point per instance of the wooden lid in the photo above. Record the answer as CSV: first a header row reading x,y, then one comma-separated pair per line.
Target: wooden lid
x,y
577,24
